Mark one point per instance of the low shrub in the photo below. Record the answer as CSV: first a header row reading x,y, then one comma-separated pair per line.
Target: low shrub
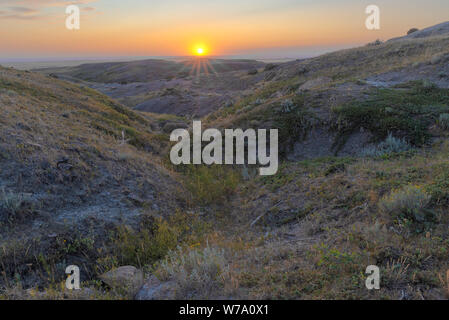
x,y
12,205
439,189
197,272
144,247
211,184
390,145
11,201
409,204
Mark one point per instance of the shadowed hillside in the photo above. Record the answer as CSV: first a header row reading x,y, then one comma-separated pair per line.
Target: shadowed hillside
x,y
73,164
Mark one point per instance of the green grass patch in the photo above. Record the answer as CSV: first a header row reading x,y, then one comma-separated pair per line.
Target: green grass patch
x,y
211,184
406,112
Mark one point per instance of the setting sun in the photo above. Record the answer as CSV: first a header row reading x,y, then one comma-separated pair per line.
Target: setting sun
x,y
200,51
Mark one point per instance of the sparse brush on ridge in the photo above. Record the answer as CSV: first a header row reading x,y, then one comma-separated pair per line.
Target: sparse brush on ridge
x,y
412,30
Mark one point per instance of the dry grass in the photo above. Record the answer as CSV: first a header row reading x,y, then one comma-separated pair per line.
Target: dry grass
x,y
198,273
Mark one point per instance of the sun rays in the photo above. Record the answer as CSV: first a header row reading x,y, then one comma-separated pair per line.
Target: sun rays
x,y
200,64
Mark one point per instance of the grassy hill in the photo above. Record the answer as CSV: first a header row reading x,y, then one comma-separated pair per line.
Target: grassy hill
x,y
363,181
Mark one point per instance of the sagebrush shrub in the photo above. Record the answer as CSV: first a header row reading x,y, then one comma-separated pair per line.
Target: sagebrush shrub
x,y
406,199
11,201
287,106
390,145
409,204
11,205
196,272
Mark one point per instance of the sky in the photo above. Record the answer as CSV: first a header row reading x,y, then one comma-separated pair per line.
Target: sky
x,y
249,28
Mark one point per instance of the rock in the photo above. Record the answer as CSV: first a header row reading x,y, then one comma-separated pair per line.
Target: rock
x,y
436,59
154,289
127,279
252,72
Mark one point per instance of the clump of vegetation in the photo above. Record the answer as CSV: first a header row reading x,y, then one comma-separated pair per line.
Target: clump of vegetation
x,y
197,272
408,198
11,205
287,106
336,262
144,247
439,189
390,145
149,243
211,184
11,201
412,30
409,204
443,121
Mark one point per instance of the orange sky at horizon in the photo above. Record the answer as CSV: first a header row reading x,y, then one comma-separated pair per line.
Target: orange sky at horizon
x,y
136,32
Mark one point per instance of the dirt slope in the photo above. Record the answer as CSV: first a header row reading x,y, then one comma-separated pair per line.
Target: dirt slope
x,y
70,154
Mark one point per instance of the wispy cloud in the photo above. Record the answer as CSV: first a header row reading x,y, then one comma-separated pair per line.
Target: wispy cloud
x,y
37,9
